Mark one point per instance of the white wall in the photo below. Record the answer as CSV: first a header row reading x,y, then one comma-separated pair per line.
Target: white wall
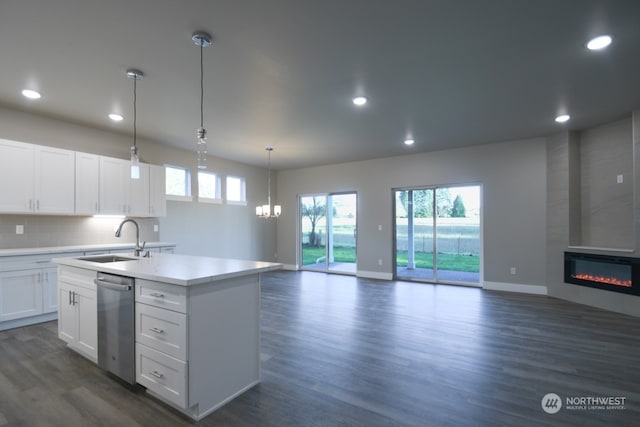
x,y
199,229
513,179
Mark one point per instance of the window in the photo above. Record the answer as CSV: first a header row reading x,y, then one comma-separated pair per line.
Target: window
x,y
178,183
209,188
236,191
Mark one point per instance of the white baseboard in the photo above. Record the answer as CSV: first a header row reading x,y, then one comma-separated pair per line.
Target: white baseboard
x,y
290,267
514,287
374,275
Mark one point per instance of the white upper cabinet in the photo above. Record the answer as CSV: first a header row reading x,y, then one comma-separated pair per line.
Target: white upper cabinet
x,y
122,195
139,192
54,191
114,186
44,180
17,175
36,179
87,184
157,191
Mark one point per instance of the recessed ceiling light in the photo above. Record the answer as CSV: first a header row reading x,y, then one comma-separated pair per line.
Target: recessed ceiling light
x,y
116,117
563,118
599,42
409,141
31,94
359,100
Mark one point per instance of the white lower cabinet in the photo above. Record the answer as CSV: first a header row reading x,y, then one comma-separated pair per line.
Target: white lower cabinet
x,y
49,280
161,340
20,294
27,290
198,347
78,310
162,374
164,330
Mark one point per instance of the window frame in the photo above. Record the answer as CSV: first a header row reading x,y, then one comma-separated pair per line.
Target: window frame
x,y
187,183
217,199
243,190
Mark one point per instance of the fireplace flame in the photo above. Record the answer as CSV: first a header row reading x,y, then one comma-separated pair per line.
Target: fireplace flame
x,y
603,279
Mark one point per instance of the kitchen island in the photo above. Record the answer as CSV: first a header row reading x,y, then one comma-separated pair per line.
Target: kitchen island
x,y
197,332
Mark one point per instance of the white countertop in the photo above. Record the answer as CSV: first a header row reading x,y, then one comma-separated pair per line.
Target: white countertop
x,y
78,248
183,270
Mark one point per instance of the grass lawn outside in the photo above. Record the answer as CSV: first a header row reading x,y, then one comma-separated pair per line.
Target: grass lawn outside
x,y
453,262
340,254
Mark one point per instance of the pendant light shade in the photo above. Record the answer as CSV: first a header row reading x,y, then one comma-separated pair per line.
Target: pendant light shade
x,y
135,159
264,211
203,40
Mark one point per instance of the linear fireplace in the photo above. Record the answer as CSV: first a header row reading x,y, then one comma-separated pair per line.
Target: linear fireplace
x,y
611,273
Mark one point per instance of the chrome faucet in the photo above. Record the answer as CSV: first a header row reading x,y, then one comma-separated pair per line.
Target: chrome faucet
x,y
137,251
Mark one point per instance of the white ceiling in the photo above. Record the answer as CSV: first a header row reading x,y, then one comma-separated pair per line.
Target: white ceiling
x,y
282,72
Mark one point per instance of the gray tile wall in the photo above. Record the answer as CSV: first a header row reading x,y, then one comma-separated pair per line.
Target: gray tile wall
x,y
46,231
606,152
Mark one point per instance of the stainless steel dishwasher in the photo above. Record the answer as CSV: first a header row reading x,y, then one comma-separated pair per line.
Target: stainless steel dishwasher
x,y
116,339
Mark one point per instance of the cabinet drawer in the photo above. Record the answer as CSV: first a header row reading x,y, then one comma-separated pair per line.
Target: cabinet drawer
x,y
162,374
77,276
161,329
162,295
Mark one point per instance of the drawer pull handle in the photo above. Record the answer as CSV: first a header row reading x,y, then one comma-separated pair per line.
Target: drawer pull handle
x,y
156,330
157,374
157,295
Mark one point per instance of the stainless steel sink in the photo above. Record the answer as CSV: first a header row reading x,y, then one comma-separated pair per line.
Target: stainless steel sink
x,y
106,258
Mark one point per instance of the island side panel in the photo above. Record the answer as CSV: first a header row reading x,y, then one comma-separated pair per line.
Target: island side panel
x,y
224,341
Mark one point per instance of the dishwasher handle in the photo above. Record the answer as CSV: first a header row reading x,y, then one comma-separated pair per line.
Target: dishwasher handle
x,y
111,285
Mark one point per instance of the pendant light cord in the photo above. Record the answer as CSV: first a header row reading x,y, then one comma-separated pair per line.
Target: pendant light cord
x,y
135,83
269,181
201,87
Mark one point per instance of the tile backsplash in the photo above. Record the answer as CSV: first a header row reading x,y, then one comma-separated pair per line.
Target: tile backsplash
x,y
45,231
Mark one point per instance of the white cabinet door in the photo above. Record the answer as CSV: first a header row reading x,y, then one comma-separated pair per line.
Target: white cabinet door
x,y
157,191
67,314
139,194
87,305
17,171
78,310
87,183
113,200
49,281
20,294
36,179
54,191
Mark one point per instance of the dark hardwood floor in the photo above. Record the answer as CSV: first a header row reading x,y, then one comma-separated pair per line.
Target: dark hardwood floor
x,y
339,351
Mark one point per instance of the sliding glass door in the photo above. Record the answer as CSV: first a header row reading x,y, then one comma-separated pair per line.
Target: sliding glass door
x,y
328,232
437,234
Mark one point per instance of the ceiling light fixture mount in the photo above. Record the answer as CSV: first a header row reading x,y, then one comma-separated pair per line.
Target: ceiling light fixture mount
x,y
116,117
264,211
563,118
135,75
202,40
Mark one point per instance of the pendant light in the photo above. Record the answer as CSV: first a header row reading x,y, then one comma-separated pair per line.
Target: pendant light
x,y
264,211
135,160
203,40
